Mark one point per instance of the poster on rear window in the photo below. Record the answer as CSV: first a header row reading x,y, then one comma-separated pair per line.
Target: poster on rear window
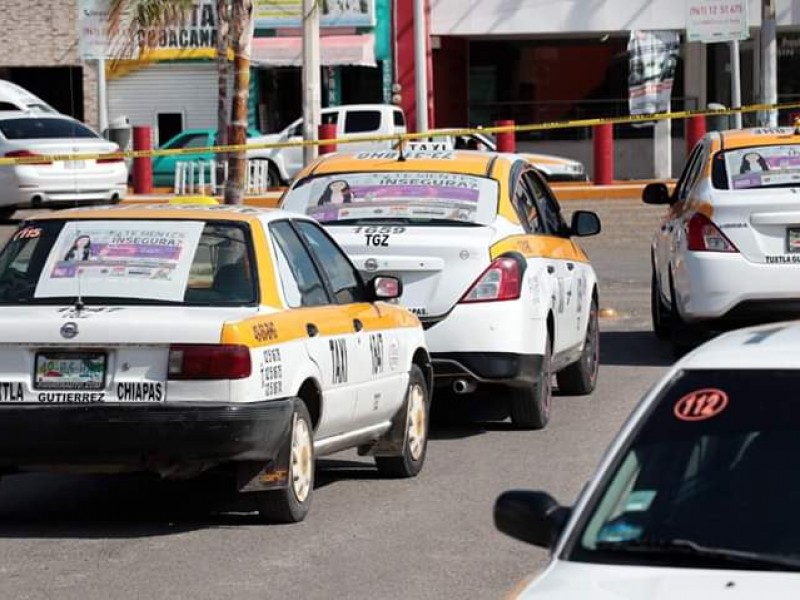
x,y
420,196
121,259
764,166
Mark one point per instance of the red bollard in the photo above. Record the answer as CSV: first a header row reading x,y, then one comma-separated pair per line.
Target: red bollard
x,y
327,131
142,166
695,130
506,140
603,154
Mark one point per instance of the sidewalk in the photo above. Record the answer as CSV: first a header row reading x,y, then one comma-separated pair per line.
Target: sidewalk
x,y
620,190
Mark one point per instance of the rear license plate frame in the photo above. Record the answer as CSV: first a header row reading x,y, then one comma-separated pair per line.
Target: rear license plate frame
x,y
74,165
77,385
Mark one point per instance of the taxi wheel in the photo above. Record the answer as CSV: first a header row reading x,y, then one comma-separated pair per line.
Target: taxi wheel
x,y
415,445
530,406
659,313
291,504
682,335
580,377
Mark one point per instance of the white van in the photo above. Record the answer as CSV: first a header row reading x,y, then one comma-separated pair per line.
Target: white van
x,y
14,97
350,120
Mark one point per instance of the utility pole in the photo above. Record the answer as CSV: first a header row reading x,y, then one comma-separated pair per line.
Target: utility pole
x,y
311,77
102,97
736,83
420,64
769,63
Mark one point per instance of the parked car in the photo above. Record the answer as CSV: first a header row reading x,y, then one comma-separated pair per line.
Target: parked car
x,y
506,295
164,166
177,338
56,183
554,168
696,495
727,251
351,120
14,97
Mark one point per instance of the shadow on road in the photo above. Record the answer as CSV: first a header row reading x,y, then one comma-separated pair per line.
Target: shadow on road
x,y
634,348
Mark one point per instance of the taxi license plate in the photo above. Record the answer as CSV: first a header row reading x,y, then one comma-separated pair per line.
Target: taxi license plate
x,y
70,371
793,239
74,164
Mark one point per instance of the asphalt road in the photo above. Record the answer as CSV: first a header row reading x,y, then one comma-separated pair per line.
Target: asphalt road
x,y
432,537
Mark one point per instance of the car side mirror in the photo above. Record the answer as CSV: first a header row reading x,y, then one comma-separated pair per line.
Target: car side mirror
x,y
584,223
383,287
656,193
531,517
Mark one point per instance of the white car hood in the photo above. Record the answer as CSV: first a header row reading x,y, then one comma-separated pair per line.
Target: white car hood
x,y
570,581
117,325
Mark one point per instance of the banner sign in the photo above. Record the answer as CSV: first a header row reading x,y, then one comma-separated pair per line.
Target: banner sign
x,y
197,30
711,21
279,14
653,57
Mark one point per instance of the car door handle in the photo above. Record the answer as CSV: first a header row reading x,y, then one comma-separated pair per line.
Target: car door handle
x,y
312,330
570,266
551,269
358,325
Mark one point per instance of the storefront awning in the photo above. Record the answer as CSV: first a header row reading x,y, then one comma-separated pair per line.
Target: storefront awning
x,y
335,50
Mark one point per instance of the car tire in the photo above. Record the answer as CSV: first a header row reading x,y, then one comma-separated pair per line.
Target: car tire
x,y
580,377
273,177
291,504
415,443
659,312
530,406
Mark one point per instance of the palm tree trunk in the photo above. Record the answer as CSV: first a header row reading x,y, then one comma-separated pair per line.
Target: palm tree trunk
x,y
242,41
223,68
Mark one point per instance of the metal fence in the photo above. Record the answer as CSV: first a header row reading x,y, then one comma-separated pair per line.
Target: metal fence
x,y
209,176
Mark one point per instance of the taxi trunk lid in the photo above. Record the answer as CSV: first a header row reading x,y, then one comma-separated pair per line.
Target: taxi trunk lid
x,y
436,264
764,225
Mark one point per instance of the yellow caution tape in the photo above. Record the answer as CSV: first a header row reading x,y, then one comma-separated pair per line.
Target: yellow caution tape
x,y
231,148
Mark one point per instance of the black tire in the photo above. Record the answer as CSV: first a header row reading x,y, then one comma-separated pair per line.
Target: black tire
x,y
274,176
7,213
580,377
291,504
530,406
659,312
415,443
681,333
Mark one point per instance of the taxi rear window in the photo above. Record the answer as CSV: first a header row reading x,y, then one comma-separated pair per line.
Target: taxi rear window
x,y
757,167
414,198
715,464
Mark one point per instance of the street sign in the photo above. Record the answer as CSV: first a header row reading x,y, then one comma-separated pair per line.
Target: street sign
x,y
711,21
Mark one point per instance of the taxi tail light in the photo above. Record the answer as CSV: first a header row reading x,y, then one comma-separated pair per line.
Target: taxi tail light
x,y
703,236
27,154
209,361
501,281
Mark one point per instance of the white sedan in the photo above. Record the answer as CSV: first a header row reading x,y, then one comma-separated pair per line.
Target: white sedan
x,y
507,296
59,183
174,339
696,497
727,252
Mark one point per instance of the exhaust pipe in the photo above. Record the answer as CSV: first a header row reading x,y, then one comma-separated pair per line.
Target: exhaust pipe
x,y
463,386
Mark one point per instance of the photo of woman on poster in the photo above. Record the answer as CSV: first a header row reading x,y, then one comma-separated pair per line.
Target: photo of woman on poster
x,y
81,249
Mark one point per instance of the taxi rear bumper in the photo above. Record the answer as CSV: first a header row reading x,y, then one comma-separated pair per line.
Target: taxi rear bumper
x,y
141,437
486,367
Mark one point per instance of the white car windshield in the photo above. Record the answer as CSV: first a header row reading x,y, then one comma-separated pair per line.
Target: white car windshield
x,y
709,480
758,167
401,197
128,262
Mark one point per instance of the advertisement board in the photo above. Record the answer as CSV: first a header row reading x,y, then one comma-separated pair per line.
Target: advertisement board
x,y
712,21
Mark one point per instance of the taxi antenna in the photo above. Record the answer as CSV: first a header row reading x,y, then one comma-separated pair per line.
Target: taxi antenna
x,y
400,156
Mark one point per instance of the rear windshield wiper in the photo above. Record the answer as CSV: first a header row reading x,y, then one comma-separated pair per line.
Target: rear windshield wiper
x,y
683,549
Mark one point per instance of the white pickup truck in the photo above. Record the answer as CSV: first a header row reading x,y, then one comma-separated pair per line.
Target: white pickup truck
x,y
350,120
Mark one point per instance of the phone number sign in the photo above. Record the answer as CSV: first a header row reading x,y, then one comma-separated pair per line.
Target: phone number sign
x,y
712,21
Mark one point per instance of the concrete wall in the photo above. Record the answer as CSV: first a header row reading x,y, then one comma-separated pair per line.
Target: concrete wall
x,y
633,159
44,33
525,17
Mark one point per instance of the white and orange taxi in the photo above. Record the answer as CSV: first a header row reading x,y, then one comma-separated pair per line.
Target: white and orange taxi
x,y
507,297
177,338
727,252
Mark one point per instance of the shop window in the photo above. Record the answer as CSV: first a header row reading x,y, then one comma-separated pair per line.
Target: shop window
x,y
169,125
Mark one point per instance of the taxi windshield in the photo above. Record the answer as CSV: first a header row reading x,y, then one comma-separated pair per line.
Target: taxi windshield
x,y
711,478
193,263
757,167
414,198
